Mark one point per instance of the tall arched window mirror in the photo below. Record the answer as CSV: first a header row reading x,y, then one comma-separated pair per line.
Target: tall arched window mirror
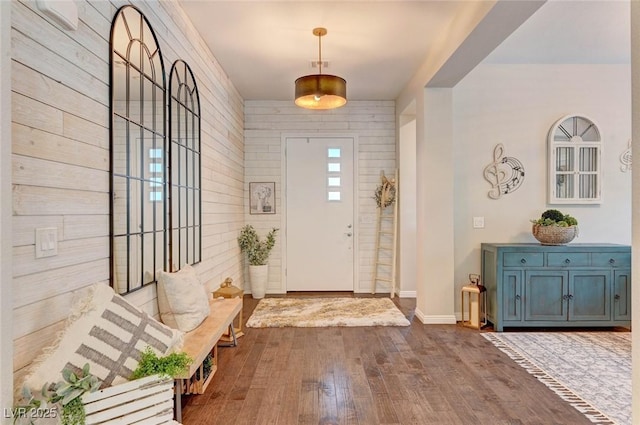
x,y
138,153
575,152
184,164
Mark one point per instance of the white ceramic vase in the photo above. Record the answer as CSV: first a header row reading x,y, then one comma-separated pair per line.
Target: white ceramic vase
x,y
258,277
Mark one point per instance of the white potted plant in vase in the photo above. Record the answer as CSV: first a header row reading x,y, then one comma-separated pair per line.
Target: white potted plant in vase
x,y
258,254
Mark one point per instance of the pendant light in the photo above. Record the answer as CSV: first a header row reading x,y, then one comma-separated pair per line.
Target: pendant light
x,y
320,91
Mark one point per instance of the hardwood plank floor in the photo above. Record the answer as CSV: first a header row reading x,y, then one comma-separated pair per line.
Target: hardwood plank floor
x,y
421,374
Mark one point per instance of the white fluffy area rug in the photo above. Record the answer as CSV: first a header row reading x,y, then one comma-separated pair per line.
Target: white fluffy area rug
x,y
325,312
590,370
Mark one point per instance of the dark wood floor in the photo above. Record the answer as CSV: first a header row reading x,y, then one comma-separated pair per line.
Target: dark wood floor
x,y
421,374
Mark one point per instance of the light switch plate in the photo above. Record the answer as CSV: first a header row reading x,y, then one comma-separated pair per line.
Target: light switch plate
x,y
478,222
46,242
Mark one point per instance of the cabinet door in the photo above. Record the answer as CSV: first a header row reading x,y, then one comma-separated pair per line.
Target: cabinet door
x,y
622,294
589,295
512,295
545,295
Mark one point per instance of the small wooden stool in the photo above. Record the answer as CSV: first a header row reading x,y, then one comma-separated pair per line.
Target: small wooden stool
x,y
227,290
477,305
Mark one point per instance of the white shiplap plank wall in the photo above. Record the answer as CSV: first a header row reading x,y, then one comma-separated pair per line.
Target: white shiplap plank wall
x,y
60,132
372,122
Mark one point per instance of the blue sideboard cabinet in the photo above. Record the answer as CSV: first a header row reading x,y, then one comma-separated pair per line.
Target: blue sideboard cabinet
x,y
553,286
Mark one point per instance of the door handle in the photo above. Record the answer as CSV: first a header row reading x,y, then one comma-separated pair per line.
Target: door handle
x,y
349,234
349,226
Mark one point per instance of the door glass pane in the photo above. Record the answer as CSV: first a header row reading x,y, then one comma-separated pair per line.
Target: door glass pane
x,y
333,196
333,152
333,181
333,167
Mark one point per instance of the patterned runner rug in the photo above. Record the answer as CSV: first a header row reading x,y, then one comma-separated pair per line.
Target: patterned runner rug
x,y
590,370
324,312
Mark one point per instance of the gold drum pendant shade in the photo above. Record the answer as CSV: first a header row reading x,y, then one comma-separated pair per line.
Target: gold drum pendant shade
x,y
320,91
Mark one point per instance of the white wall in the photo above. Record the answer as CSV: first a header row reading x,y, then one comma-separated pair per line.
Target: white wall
x,y
516,105
435,207
407,242
6,329
60,131
372,122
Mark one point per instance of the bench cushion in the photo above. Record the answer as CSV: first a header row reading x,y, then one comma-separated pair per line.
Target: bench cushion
x,y
182,299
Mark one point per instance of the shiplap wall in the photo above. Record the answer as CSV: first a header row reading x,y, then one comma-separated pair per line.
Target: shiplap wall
x,y
372,122
60,132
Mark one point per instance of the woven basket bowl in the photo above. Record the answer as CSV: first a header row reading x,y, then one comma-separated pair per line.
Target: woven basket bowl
x,y
554,235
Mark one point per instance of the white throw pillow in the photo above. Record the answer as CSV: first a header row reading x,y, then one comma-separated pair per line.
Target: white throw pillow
x,y
107,332
182,299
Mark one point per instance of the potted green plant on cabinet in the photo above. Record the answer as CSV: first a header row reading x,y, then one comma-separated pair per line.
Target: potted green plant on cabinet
x,y
555,228
258,255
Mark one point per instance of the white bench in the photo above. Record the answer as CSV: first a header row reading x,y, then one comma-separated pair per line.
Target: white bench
x,y
201,342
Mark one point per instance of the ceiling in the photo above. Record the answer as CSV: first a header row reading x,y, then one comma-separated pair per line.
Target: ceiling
x,y
378,46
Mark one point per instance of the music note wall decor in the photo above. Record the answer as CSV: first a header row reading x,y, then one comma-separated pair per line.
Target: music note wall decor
x,y
625,159
505,173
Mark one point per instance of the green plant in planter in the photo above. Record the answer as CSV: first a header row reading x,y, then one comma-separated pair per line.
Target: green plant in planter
x,y
69,391
23,411
171,365
66,393
555,218
257,251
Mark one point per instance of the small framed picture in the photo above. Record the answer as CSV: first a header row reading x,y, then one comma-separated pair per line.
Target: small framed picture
x,y
262,198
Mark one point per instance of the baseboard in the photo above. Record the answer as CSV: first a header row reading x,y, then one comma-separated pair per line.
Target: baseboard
x,y
442,319
407,294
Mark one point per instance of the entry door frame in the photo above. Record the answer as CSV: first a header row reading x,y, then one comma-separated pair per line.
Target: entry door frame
x,y
356,200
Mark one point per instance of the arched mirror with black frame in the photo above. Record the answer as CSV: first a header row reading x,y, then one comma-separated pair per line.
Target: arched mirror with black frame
x,y
184,165
138,153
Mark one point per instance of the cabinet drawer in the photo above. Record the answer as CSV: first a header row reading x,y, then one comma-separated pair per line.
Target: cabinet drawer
x,y
611,259
522,259
567,259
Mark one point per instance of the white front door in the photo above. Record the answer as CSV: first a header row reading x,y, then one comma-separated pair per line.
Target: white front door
x,y
320,214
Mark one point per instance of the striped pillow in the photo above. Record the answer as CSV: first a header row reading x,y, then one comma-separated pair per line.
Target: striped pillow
x,y
108,333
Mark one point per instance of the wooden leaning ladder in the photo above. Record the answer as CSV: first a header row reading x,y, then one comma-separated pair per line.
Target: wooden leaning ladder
x,y
386,234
